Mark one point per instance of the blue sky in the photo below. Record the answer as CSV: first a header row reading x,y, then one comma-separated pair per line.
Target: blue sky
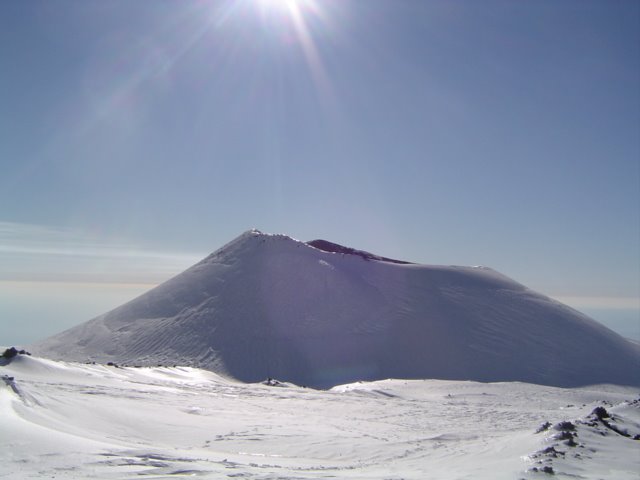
x,y
136,137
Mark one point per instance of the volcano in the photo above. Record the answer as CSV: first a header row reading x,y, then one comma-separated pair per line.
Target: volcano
x,y
320,314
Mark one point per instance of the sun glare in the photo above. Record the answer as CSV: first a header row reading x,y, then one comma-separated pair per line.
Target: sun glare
x,y
277,3
291,8
299,15
280,4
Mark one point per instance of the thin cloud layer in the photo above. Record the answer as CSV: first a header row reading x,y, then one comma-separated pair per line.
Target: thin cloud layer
x,y
43,253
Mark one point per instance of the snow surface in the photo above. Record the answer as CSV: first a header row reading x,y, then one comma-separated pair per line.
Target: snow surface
x,y
81,421
270,306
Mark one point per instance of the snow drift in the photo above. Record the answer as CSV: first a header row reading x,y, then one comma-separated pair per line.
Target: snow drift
x,y
270,306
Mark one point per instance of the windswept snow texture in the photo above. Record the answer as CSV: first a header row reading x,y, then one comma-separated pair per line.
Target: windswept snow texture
x,y
270,306
74,421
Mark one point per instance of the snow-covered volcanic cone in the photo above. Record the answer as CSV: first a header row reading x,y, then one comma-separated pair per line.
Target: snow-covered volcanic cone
x,y
270,306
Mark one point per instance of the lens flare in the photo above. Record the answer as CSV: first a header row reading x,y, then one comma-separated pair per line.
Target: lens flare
x,y
300,16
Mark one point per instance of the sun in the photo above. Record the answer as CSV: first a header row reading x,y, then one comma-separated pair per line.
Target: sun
x,y
281,6
291,8
296,25
299,16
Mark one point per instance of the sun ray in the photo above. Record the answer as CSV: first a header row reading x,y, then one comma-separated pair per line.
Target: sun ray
x,y
293,15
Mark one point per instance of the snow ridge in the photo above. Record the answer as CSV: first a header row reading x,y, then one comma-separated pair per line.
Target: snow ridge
x,y
331,247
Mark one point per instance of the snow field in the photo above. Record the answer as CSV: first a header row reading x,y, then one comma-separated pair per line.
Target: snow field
x,y
68,420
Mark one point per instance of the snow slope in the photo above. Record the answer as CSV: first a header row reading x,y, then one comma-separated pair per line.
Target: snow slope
x,y
81,421
270,306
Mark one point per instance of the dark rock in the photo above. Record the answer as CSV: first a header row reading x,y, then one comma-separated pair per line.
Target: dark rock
x,y
564,436
571,443
545,469
565,427
601,413
552,452
543,427
272,382
331,247
10,352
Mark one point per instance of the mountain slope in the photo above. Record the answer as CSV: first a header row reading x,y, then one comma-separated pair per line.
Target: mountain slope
x,y
270,306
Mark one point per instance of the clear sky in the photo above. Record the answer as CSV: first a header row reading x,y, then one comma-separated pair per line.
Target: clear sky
x,y
137,137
